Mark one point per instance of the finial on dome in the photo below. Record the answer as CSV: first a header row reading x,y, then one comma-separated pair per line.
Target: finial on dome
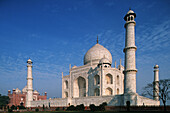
x,y
97,39
129,8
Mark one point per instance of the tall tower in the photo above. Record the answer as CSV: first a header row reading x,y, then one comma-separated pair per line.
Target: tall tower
x,y
156,83
29,96
130,50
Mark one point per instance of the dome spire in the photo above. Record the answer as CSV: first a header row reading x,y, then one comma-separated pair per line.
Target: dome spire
x,y
97,39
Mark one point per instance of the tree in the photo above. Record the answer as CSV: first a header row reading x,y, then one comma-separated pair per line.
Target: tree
x,y
162,90
4,100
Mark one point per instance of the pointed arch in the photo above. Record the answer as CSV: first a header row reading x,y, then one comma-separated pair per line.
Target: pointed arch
x,y
65,94
117,80
109,79
79,87
109,91
117,91
65,84
96,79
97,92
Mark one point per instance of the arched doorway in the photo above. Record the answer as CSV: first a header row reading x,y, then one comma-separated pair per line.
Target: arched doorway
x,y
97,92
66,84
109,79
96,79
117,91
80,87
65,94
109,91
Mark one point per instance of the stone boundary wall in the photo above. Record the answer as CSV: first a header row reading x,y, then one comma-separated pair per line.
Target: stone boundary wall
x,y
115,100
50,102
97,100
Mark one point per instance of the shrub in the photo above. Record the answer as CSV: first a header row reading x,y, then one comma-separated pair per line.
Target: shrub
x,y
92,107
71,108
57,109
12,107
102,106
80,107
21,107
10,110
37,110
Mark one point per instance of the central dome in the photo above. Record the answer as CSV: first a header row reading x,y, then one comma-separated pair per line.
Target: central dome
x,y
96,53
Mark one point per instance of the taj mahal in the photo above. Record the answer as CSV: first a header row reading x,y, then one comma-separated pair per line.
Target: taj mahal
x,y
97,81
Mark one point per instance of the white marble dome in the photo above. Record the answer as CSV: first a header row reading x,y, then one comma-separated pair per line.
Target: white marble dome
x,y
24,89
104,61
130,11
96,53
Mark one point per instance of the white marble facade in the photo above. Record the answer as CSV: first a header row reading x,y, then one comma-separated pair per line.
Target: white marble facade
x,y
97,81
96,78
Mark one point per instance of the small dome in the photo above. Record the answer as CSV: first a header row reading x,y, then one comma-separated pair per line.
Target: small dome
x,y
36,92
156,66
29,61
96,53
74,67
18,91
104,61
130,11
24,89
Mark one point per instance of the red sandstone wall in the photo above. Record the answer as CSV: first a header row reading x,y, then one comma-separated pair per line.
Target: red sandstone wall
x,y
15,99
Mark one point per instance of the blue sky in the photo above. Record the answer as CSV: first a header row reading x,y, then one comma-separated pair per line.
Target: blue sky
x,y
56,33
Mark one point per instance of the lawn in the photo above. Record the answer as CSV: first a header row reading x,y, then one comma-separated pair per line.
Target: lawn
x,y
93,112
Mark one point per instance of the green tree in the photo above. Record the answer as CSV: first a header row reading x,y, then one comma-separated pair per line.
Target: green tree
x,y
163,91
4,100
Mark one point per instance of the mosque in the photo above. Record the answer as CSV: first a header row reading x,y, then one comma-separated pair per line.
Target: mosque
x,y
97,81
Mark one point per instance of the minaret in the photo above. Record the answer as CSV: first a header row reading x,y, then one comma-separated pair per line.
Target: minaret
x,y
156,83
29,96
130,50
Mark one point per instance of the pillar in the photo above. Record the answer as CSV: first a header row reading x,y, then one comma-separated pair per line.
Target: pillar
x,y
130,51
156,83
29,96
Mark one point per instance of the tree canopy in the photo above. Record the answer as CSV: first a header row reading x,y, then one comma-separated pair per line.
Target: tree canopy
x,y
4,100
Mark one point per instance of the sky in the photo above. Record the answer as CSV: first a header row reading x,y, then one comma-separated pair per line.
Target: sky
x,y
56,33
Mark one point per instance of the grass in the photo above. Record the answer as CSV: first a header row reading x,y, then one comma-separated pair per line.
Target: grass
x,y
93,112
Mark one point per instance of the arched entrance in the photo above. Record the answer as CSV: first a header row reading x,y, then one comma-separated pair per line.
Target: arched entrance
x,y
65,94
109,79
66,84
109,91
80,87
97,92
96,79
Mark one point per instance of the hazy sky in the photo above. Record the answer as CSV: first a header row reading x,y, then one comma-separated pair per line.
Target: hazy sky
x,y
56,33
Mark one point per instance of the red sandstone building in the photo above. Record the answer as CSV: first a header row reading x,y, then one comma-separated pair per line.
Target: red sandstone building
x,y
19,98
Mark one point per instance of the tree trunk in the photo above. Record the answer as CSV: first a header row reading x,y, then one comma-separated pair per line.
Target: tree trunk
x,y
164,102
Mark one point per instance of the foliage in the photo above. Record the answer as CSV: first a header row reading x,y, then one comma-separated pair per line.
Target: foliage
x,y
57,109
37,110
12,107
10,110
71,108
92,107
163,90
80,107
101,107
15,107
77,108
4,100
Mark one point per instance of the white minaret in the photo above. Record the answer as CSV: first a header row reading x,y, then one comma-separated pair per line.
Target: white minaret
x,y
156,83
130,50
29,96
